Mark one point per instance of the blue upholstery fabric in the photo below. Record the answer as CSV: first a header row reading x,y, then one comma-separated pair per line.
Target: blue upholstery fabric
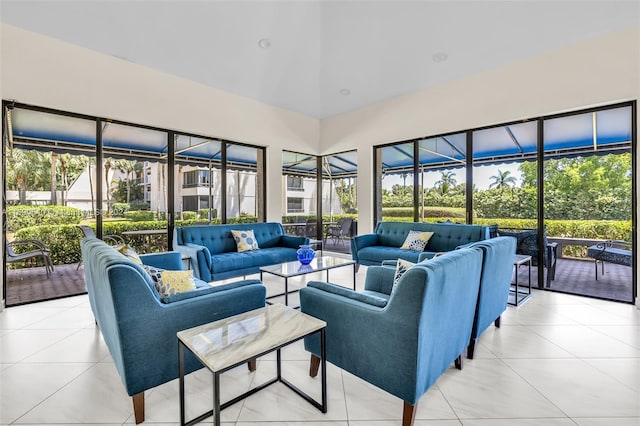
x,y
213,252
497,270
385,242
140,330
406,345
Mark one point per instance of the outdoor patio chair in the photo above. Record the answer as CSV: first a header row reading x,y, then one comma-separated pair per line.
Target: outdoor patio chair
x,y
37,249
527,244
112,240
310,228
339,231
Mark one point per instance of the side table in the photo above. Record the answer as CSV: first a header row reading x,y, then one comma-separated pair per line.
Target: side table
x,y
518,295
227,343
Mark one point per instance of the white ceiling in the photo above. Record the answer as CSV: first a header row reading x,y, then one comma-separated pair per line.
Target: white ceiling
x,y
375,49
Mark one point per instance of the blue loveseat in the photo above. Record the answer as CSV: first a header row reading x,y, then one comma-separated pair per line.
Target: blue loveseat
x,y
213,252
139,328
385,242
402,340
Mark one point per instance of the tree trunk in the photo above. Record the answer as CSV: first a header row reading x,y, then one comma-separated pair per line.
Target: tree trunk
x,y
93,201
54,178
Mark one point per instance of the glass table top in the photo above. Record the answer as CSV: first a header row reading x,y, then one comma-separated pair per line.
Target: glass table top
x,y
291,269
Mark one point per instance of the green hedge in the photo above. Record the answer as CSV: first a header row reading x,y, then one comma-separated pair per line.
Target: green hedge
x,y
119,209
19,217
429,212
140,215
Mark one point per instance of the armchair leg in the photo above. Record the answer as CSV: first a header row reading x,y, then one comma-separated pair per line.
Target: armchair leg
x,y
497,322
471,348
408,414
458,362
251,364
314,366
138,407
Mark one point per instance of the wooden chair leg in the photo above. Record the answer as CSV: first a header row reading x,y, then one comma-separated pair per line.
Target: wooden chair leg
x,y
138,407
408,414
471,348
314,366
497,322
252,364
458,362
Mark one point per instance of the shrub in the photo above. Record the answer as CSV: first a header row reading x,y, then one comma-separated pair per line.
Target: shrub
x,y
62,240
204,213
119,209
139,205
187,215
19,217
429,212
140,216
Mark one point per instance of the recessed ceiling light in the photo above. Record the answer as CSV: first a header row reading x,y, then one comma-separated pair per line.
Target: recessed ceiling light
x,y
264,43
439,57
345,92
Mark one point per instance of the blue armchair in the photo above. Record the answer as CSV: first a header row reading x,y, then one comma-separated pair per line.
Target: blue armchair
x,y
497,268
402,340
139,327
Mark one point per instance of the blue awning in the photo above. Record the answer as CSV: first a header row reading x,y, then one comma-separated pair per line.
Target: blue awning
x,y
592,133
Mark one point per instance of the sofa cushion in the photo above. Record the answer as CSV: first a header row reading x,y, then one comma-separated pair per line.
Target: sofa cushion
x,y
245,240
170,283
224,262
416,240
377,254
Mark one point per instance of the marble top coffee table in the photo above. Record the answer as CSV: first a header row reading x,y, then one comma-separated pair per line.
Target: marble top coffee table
x,y
227,343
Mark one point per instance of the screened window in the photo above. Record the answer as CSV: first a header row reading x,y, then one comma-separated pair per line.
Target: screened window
x,y
295,183
295,204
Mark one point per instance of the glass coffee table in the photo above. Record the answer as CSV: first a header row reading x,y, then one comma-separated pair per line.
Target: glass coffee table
x,y
230,342
295,268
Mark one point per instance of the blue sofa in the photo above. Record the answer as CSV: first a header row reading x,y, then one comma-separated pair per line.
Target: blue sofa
x,y
140,328
400,341
498,255
213,253
385,242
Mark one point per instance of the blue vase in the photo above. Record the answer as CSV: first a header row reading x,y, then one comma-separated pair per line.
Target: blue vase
x,y
305,254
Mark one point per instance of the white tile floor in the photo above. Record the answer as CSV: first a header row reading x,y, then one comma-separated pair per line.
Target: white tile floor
x,y
557,360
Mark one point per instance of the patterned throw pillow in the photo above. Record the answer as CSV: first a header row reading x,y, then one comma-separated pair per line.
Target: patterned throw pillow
x,y
169,283
401,267
129,253
245,240
154,273
416,240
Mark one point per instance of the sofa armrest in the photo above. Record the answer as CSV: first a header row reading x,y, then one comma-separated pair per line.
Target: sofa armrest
x,y
348,293
200,259
361,241
293,241
171,260
379,279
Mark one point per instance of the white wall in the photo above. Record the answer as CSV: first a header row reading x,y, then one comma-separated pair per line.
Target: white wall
x,y
601,71
46,72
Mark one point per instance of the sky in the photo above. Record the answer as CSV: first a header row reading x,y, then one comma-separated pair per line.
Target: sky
x,y
481,176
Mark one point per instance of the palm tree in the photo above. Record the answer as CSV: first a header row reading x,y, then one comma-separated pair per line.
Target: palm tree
x,y
127,167
27,170
503,180
107,167
54,178
446,183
